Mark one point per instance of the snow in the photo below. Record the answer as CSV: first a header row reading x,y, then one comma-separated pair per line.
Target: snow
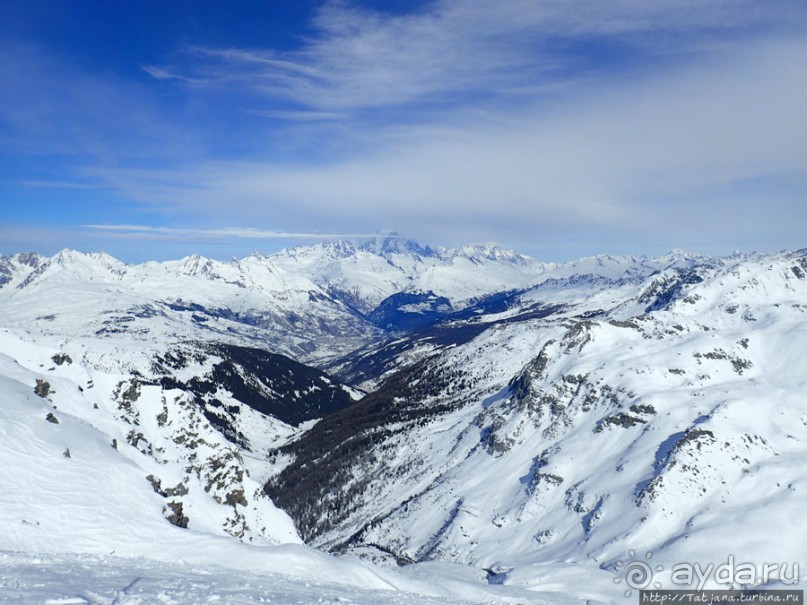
x,y
88,529
678,431
107,580
710,391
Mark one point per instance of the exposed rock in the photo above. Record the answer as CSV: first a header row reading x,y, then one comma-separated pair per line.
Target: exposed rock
x,y
179,490
236,497
42,388
176,516
61,358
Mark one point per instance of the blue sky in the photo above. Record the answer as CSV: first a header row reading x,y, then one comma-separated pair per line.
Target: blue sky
x,y
560,128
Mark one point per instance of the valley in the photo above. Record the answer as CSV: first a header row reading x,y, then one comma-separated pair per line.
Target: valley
x,y
418,414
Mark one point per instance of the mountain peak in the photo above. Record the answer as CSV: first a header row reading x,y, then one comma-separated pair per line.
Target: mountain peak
x,y
68,256
490,252
195,264
393,244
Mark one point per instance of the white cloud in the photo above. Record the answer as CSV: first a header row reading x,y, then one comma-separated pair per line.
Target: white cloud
x,y
466,120
656,157
163,73
55,185
360,59
228,233
298,116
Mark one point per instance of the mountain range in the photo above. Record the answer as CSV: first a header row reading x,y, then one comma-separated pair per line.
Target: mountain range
x,y
444,421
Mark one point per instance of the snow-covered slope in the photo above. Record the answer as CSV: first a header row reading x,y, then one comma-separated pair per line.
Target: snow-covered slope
x,y
534,423
80,439
12,267
312,303
660,415
93,295
366,274
119,490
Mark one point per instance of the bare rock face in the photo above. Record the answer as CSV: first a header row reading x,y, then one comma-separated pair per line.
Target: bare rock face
x,y
61,359
42,388
173,512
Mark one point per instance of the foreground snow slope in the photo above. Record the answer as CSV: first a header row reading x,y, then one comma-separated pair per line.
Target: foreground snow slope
x,y
73,483
87,452
59,579
92,457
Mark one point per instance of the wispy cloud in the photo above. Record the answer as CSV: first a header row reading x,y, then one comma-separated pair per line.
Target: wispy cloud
x,y
174,233
522,121
297,116
359,58
164,73
656,158
56,185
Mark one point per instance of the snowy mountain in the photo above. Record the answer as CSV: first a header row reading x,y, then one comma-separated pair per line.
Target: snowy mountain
x,y
129,487
495,425
191,299
660,414
310,303
366,274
